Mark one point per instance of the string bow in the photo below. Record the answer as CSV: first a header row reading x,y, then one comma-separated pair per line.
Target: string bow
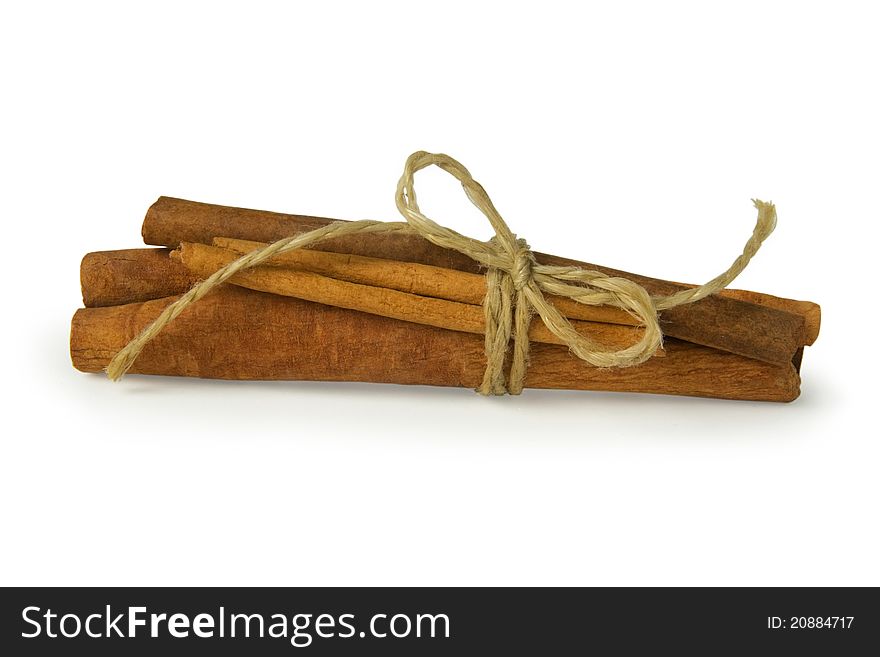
x,y
516,284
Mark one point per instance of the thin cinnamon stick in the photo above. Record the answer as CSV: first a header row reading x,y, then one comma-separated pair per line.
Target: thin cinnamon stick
x,y
235,333
465,287
203,260
721,322
424,280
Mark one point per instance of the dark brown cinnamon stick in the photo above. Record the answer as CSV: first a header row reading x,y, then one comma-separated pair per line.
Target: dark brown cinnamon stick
x,y
721,322
241,334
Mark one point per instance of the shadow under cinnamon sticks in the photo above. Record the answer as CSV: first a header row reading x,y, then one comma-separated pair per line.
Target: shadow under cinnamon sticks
x,y
235,333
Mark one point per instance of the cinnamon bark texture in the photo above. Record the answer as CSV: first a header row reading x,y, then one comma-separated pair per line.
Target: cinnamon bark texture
x,y
471,288
809,311
728,324
110,278
424,280
204,260
126,276
235,333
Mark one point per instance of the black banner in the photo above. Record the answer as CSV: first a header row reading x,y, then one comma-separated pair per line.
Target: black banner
x,y
422,621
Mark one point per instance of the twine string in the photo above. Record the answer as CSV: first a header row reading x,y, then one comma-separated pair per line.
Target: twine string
x,y
516,284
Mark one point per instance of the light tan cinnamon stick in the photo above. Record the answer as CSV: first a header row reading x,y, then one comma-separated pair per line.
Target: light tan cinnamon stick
x,y
413,277
466,287
235,333
203,260
721,322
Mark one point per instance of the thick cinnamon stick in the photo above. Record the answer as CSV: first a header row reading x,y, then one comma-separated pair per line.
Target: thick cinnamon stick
x,y
241,334
721,322
203,260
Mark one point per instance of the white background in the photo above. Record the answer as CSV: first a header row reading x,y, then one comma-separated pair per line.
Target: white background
x,y
631,135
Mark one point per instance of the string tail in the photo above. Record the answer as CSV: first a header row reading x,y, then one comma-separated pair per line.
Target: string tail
x,y
764,226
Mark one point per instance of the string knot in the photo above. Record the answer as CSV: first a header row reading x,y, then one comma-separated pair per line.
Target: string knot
x,y
521,271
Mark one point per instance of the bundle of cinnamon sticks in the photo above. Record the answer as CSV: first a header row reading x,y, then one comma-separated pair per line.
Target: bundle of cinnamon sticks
x,y
395,308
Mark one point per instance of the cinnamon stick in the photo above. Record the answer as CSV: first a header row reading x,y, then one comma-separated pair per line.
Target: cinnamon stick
x,y
203,260
424,280
235,333
465,287
721,322
809,311
110,278
126,276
